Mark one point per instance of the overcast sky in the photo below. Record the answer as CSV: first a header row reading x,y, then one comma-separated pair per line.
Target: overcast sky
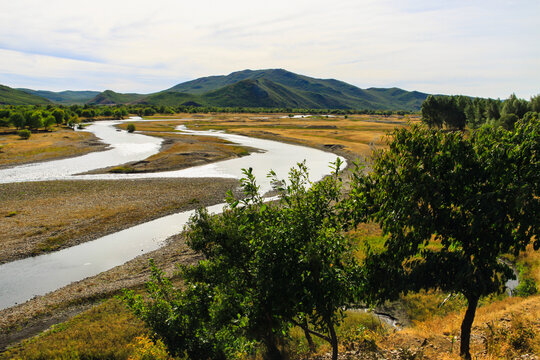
x,y
481,48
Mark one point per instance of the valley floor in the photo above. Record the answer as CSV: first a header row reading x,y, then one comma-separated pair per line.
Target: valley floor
x,y
83,211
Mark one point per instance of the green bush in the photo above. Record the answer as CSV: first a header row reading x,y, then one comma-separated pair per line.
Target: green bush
x,y
131,128
24,134
526,287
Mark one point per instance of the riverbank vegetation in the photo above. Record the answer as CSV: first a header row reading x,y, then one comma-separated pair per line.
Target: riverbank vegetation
x,y
503,327
449,205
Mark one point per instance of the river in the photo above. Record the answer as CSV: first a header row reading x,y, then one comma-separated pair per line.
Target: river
x,y
23,279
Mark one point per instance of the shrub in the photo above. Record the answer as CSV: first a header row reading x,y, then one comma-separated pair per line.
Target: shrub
x,y
131,128
24,134
526,288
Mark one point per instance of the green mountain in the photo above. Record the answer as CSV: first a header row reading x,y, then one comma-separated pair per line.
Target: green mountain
x,y
271,88
67,97
10,96
109,97
282,88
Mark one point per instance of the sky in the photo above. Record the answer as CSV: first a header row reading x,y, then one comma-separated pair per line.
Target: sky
x,y
479,48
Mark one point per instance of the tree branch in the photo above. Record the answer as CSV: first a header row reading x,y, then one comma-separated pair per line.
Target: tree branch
x,y
313,332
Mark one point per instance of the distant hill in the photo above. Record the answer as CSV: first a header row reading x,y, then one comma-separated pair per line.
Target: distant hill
x,y
10,96
271,88
109,97
67,97
282,88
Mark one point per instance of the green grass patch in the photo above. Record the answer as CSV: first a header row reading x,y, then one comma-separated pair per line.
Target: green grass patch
x,y
50,244
122,170
104,332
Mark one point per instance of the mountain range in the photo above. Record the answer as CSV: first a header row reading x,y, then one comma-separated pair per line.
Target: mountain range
x,y
271,88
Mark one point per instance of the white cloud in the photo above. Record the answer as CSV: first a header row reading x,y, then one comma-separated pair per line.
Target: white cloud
x,y
484,48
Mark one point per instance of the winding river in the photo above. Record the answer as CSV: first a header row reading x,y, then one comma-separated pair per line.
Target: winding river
x,y
23,279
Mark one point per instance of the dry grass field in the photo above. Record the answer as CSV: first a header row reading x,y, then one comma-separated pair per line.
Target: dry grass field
x,y
44,146
352,135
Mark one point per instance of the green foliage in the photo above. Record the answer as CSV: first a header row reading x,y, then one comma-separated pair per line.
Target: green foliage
x,y
49,121
17,119
266,267
526,287
477,196
24,134
451,111
35,120
130,128
443,110
59,115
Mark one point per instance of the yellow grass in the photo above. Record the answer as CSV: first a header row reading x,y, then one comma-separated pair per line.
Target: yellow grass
x,y
358,134
107,331
45,146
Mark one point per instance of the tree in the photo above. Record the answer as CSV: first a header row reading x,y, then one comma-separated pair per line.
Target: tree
x,y
516,106
49,121
267,266
130,128
17,120
477,196
35,120
73,121
535,103
430,108
443,110
59,115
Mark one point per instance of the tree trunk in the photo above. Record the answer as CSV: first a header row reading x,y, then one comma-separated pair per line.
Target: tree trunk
x,y
466,325
272,351
308,337
333,339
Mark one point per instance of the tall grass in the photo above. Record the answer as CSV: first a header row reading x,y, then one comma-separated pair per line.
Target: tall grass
x,y
104,332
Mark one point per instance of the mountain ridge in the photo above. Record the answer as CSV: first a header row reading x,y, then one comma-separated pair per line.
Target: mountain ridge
x,y
267,88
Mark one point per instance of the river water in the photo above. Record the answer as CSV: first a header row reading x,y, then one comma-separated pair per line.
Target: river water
x,y
23,279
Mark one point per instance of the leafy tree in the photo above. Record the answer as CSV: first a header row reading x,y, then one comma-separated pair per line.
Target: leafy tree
x,y
35,120
131,128
73,121
443,110
18,120
477,196
516,106
59,115
266,267
492,109
148,111
49,121
535,103
430,112
508,120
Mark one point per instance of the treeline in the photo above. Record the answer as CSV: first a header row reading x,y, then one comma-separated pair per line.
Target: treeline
x,y
35,117
456,112
45,117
